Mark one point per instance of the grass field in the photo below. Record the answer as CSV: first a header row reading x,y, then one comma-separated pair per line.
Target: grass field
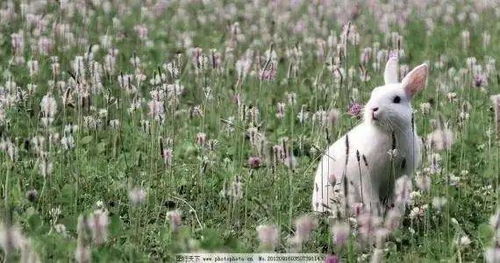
x,y
134,130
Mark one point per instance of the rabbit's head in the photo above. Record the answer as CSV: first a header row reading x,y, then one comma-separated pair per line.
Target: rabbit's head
x,y
389,106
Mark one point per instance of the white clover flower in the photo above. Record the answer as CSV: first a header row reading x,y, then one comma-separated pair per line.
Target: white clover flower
x,y
439,202
137,196
440,139
464,241
268,235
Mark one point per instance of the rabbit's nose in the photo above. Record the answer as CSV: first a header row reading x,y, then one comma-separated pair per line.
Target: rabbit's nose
x,y
375,109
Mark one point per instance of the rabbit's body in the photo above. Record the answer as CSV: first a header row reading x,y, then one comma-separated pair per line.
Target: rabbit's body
x,y
382,148
371,179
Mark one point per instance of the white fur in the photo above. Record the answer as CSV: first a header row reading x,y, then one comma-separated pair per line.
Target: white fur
x,y
372,184
391,71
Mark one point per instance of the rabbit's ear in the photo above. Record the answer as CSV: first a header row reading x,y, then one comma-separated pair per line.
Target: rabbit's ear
x,y
391,71
415,81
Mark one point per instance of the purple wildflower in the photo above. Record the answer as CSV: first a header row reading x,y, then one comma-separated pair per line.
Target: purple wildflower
x,y
480,80
332,259
355,109
254,162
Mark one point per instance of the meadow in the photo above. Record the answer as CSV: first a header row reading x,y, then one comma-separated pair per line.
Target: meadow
x,y
133,130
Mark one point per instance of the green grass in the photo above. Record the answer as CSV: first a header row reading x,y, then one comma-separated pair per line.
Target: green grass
x,y
106,163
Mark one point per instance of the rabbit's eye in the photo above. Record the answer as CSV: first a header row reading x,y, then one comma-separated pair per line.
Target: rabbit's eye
x,y
396,99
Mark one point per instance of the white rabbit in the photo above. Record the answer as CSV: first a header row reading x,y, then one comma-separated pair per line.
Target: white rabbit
x,y
365,158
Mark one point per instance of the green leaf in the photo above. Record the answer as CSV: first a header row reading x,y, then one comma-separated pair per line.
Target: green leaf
x,y
86,140
35,222
187,149
115,227
485,233
67,194
101,147
210,239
